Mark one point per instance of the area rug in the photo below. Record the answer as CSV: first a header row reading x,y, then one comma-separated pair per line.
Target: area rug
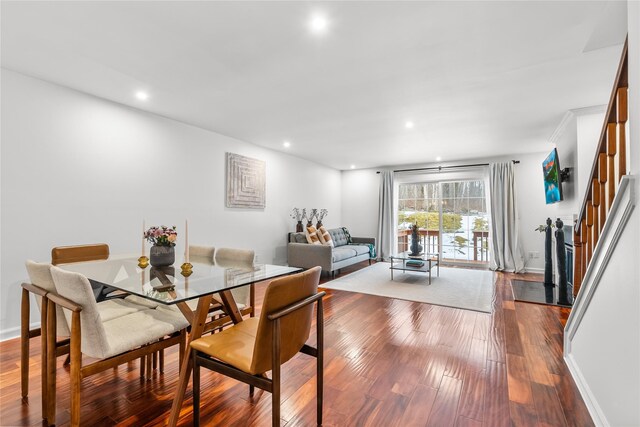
x,y
456,287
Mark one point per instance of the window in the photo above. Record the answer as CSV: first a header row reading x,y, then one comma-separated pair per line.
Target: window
x,y
452,218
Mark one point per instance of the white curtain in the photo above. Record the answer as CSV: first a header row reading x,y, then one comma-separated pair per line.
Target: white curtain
x,y
506,249
386,224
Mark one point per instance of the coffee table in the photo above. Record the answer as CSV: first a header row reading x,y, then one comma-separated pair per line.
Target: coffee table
x,y
399,262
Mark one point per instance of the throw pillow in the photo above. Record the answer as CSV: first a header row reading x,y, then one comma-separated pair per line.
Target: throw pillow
x,y
325,237
312,235
346,233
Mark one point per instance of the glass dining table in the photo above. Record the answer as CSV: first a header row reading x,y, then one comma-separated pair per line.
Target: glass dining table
x,y
166,285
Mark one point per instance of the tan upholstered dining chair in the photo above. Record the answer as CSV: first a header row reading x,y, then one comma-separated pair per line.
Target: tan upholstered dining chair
x,y
251,348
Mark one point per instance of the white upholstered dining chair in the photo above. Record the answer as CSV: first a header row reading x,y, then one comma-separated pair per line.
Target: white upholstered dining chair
x,y
115,341
42,285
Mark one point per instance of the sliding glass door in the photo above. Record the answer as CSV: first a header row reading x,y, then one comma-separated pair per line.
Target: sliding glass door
x,y
452,219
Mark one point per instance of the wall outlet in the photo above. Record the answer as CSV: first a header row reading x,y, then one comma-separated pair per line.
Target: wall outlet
x,y
534,254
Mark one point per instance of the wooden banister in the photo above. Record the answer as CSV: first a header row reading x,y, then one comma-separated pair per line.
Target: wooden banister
x,y
609,166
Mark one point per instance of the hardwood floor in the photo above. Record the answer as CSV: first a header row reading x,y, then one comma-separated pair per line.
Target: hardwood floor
x,y
387,363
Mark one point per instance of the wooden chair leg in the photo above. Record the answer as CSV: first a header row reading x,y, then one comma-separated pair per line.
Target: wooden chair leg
x,y
76,365
155,360
161,361
51,361
148,366
196,390
251,390
44,361
67,360
143,363
182,347
252,300
24,343
320,360
275,375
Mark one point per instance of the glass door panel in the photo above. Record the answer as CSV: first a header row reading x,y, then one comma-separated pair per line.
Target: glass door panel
x,y
452,219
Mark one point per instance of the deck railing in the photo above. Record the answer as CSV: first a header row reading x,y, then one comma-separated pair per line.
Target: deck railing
x,y
609,166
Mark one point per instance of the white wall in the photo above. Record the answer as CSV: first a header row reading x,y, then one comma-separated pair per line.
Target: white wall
x,y
589,127
79,169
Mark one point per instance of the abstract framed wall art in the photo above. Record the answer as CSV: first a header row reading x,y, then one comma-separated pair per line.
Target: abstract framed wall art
x,y
246,182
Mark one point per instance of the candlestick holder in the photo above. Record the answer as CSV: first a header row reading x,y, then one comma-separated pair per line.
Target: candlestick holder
x,y
143,262
186,269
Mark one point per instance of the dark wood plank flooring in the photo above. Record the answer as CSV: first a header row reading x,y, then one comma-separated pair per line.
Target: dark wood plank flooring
x,y
387,363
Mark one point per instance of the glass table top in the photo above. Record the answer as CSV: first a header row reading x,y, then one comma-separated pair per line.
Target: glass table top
x,y
167,285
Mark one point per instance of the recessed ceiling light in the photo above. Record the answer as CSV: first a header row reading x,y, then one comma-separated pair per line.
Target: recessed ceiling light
x,y
318,23
286,144
353,166
142,96
438,158
409,125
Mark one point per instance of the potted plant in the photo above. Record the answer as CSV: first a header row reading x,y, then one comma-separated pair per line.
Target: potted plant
x,y
163,239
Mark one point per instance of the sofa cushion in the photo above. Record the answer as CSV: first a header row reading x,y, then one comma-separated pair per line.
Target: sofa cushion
x,y
297,238
338,236
360,249
341,253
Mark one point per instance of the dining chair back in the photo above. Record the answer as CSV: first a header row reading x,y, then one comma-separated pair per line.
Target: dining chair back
x,y
79,253
115,341
247,350
41,284
204,252
234,257
239,258
294,327
40,275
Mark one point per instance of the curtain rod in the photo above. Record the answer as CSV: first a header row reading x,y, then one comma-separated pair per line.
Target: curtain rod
x,y
439,168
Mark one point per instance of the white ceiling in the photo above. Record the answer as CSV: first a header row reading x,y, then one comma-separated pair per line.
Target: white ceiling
x,y
478,79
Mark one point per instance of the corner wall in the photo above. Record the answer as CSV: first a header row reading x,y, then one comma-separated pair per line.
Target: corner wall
x,y
78,169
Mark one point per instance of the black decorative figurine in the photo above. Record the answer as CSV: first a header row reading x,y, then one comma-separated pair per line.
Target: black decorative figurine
x,y
563,294
548,266
416,247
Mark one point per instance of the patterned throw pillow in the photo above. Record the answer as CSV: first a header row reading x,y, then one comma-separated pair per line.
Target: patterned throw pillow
x,y
325,237
346,233
312,235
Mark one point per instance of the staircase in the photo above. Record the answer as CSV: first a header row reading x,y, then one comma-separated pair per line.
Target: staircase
x,y
601,339
609,167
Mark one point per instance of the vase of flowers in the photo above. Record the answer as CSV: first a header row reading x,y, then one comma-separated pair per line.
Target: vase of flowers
x,y
163,238
297,215
320,216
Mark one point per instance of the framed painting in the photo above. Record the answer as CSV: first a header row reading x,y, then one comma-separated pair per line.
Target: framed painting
x,y
246,182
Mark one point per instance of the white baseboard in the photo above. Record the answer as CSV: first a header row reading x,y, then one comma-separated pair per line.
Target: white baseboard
x,y
11,333
534,270
587,394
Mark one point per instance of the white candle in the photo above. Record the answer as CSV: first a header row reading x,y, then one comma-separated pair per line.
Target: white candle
x,y
186,240
143,239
